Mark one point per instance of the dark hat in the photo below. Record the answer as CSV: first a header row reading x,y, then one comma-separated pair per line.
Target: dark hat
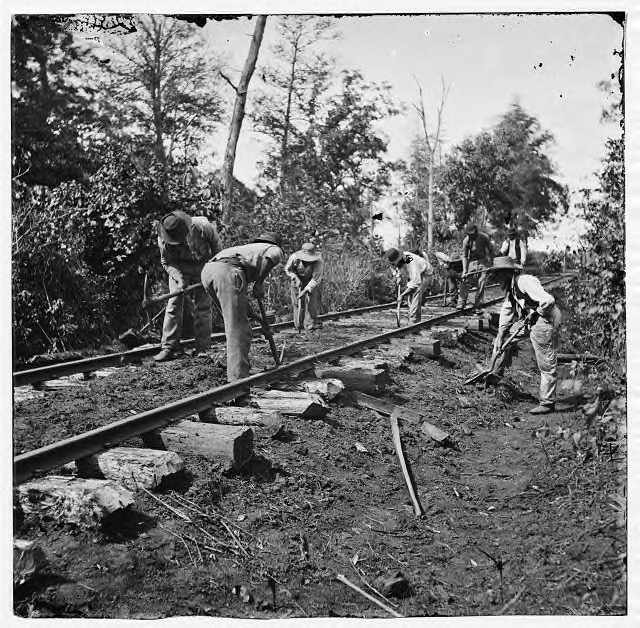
x,y
308,253
471,229
512,231
270,237
504,263
393,255
175,226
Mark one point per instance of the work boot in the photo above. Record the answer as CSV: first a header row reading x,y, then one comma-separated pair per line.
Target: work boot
x,y
198,351
165,356
543,409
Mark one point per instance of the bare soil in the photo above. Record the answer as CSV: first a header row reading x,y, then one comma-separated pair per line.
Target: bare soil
x,y
522,515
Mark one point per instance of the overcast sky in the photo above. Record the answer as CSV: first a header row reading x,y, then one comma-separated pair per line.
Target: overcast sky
x,y
552,63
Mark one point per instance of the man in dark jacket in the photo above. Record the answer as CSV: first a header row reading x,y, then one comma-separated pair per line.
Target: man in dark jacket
x,y
477,255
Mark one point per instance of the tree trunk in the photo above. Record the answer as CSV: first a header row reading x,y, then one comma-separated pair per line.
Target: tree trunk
x,y
287,117
430,223
238,116
156,96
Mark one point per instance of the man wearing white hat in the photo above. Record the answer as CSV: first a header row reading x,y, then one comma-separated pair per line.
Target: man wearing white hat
x,y
185,245
305,267
525,294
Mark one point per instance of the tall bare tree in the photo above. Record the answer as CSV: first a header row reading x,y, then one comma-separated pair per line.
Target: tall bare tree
x,y
431,144
238,116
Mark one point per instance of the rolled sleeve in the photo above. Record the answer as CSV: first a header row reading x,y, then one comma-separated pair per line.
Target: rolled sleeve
x,y
531,285
288,268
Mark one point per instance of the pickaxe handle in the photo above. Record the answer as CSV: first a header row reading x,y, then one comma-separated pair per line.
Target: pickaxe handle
x,y
175,293
398,307
266,330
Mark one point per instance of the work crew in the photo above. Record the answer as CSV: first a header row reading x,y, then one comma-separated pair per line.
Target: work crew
x,y
416,269
305,267
227,277
477,255
524,294
453,274
185,245
514,247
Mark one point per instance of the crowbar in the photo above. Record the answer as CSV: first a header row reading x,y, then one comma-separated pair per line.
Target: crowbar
x,y
398,308
395,431
495,356
266,330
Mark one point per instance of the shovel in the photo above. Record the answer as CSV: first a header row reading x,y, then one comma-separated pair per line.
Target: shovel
x,y
398,308
266,330
483,374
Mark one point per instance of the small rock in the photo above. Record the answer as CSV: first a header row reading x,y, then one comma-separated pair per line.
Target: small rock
x,y
284,435
395,585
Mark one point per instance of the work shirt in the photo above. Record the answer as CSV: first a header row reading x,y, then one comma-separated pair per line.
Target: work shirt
x,y
425,257
188,257
416,267
479,248
309,272
516,249
250,257
525,294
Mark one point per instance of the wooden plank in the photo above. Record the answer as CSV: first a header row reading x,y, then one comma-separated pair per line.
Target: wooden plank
x,y
405,413
366,380
132,467
28,560
232,415
300,404
475,324
222,443
397,443
82,502
328,388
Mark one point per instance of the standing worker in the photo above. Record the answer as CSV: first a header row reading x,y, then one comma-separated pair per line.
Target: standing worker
x,y
227,276
453,274
428,273
416,268
514,247
477,255
524,294
185,245
305,267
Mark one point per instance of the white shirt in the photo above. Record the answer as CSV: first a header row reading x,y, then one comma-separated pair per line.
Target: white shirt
x,y
531,286
509,248
416,267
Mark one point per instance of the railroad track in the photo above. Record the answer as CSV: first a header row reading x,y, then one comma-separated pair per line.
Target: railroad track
x,y
54,455
88,365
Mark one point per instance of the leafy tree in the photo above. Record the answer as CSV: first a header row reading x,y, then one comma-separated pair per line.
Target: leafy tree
x,y
289,104
165,91
597,297
51,113
504,176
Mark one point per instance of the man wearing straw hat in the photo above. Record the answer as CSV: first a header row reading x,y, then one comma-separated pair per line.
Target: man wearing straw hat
x,y
417,269
227,276
524,294
305,267
514,247
185,244
477,254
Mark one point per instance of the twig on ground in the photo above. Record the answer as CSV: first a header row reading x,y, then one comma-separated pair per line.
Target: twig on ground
x,y
359,572
235,538
175,511
511,602
183,542
369,597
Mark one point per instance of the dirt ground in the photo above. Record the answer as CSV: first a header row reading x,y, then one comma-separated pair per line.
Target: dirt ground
x,y
522,516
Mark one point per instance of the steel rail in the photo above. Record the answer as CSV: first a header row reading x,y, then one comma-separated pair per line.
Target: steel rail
x,y
51,456
87,365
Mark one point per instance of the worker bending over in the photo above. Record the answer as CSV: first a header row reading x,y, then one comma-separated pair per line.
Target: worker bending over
x,y
305,267
227,276
417,270
524,294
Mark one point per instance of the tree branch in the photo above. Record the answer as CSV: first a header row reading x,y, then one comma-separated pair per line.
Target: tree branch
x,y
235,89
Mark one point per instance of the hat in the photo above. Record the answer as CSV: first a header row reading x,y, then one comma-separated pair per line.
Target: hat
x,y
471,229
270,237
511,231
175,226
307,253
393,255
504,263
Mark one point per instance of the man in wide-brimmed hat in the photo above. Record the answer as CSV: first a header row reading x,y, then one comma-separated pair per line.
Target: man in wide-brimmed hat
x,y
227,277
514,247
525,294
185,244
417,270
305,267
453,274
477,254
